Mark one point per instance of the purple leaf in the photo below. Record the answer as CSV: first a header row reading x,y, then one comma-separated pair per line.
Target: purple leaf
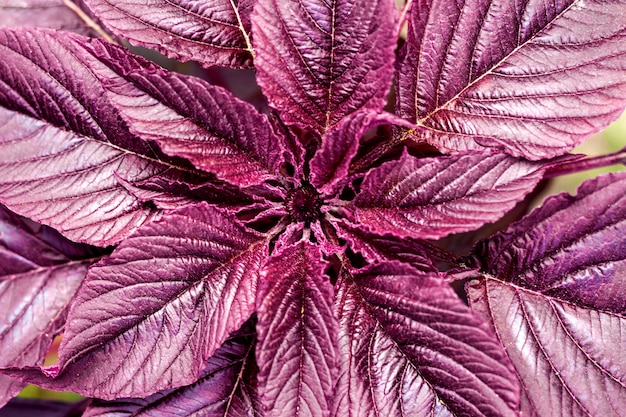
x,y
533,78
554,288
340,144
377,248
174,189
78,113
69,182
297,334
19,407
148,317
225,388
39,275
186,116
427,198
410,347
53,14
318,62
212,33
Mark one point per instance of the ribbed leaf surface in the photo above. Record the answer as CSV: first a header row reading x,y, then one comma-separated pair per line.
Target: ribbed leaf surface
x,y
410,347
297,352
53,14
534,78
213,33
225,389
320,61
433,197
186,116
148,317
39,274
61,143
554,287
340,144
377,248
81,104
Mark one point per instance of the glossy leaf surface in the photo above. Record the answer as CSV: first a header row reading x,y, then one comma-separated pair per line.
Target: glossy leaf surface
x,y
320,61
428,198
212,33
186,116
297,334
380,248
225,388
410,347
69,183
532,78
94,111
307,218
554,288
340,144
166,299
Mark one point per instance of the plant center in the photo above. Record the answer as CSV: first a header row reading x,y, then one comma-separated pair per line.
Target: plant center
x,y
303,204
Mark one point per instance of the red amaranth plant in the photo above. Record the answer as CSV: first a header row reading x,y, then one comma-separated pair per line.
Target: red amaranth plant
x,y
203,258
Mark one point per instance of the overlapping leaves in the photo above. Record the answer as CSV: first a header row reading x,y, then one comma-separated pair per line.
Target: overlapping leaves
x,y
560,309
40,273
226,216
531,78
212,33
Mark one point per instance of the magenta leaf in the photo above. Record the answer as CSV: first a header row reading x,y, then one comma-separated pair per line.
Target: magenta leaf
x,y
411,347
174,189
212,33
42,408
225,388
149,317
428,198
39,274
297,329
69,183
532,78
318,62
186,116
340,144
80,112
554,288
377,248
53,14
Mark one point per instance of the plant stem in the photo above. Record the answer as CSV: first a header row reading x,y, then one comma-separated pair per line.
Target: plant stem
x,y
89,21
585,164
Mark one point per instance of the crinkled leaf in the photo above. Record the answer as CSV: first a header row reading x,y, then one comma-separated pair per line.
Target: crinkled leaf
x,y
51,102
297,331
226,388
62,95
53,14
148,317
377,248
554,288
340,144
174,189
410,347
213,33
433,197
39,274
320,61
186,116
533,78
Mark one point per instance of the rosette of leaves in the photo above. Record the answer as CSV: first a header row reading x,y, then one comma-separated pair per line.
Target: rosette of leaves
x,y
275,263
